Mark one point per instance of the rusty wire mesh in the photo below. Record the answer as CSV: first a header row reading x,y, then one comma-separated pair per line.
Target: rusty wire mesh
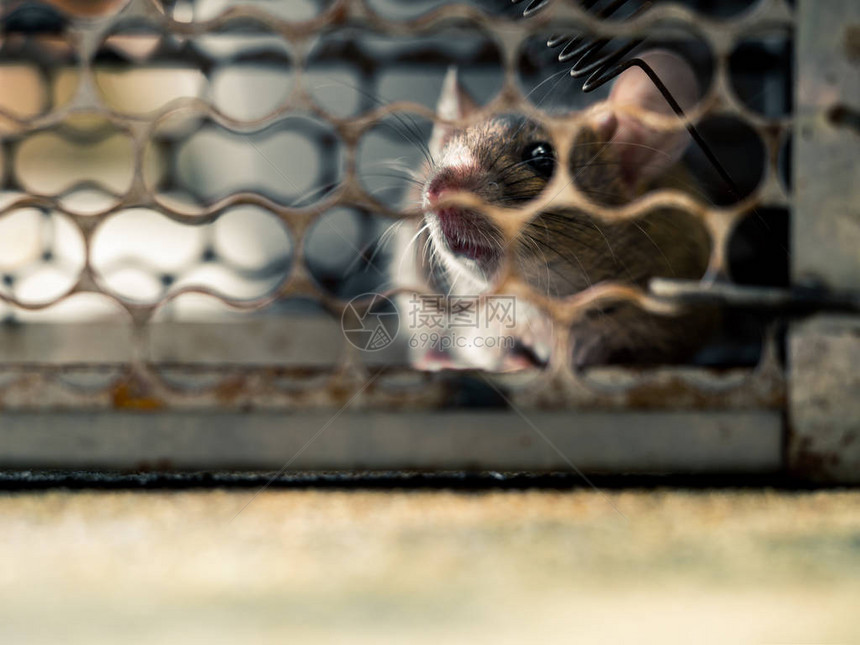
x,y
85,101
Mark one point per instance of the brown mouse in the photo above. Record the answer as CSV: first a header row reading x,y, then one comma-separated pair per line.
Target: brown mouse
x,y
508,160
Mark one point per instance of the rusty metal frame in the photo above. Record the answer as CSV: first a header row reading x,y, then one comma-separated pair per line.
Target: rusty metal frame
x,y
111,383
824,414
645,443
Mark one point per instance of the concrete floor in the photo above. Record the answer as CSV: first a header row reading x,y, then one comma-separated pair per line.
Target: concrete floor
x,y
429,566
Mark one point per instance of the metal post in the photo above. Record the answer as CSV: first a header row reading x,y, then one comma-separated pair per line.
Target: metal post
x,y
824,406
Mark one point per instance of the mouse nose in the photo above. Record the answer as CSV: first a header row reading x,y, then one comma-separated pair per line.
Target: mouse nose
x,y
449,181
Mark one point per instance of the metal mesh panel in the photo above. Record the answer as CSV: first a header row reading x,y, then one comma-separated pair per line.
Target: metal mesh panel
x,y
186,195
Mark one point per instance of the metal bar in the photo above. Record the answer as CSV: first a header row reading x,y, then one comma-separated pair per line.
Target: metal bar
x,y
824,415
308,341
796,300
826,223
659,442
824,420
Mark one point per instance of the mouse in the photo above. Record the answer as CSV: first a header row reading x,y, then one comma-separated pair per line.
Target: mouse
x,y
508,160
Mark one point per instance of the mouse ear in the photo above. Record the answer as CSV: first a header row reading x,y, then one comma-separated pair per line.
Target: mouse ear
x,y
454,104
644,152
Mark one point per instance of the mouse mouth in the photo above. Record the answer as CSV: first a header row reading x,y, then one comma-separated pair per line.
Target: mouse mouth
x,y
468,235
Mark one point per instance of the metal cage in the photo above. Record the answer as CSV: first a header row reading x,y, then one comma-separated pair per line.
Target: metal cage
x,y
186,187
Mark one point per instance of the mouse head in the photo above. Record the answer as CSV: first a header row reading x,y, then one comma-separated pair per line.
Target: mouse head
x,y
508,159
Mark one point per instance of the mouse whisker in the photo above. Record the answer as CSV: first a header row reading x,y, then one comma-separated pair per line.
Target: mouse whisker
x,y
399,164
411,128
534,244
561,233
408,180
566,278
507,170
656,246
410,244
631,144
411,135
362,254
310,194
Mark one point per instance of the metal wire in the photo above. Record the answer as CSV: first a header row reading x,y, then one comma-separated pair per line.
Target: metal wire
x,y
241,375
599,68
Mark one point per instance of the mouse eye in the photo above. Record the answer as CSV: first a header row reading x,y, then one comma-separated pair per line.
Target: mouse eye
x,y
540,156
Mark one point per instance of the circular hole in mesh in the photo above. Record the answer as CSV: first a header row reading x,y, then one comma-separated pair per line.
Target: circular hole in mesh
x,y
38,65
247,257
568,251
346,253
548,84
600,168
139,69
506,160
137,254
89,156
761,74
24,236
354,71
613,10
409,9
392,157
252,85
738,149
623,333
143,256
252,241
42,255
758,248
242,69
785,163
206,10
758,255
193,162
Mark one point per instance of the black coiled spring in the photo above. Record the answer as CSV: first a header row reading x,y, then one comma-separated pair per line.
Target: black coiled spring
x,y
599,63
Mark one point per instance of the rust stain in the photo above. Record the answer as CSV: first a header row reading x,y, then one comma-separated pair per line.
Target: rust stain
x,y
126,396
675,393
230,389
806,461
809,463
340,394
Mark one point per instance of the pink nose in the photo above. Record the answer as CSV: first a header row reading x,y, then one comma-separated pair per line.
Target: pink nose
x,y
449,182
